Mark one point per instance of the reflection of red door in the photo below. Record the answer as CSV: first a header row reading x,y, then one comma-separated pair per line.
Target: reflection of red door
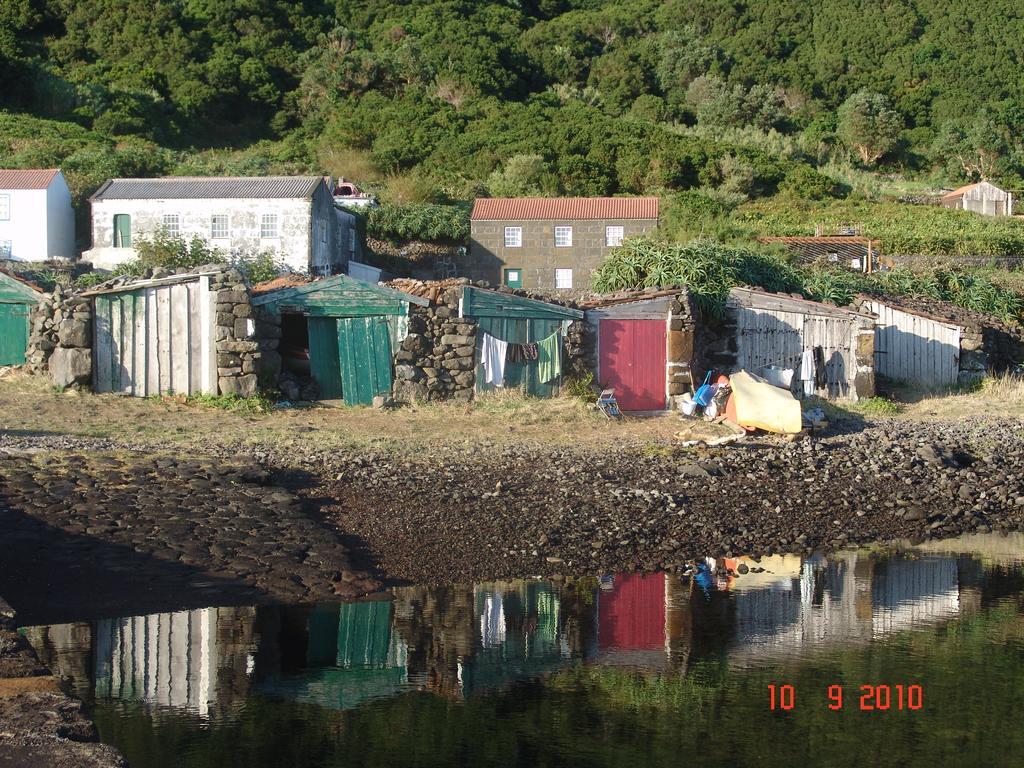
x,y
632,361
632,615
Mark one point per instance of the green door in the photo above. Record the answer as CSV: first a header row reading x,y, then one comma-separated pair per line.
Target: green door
x,y
13,333
122,230
518,330
364,350
513,278
323,356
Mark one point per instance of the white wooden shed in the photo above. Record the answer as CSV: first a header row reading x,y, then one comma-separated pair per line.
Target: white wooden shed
x,y
912,347
156,337
983,197
771,329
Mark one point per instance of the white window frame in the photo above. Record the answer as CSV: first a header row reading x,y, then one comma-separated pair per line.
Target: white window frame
x,y
5,207
614,234
564,234
268,223
560,283
513,237
172,224
214,229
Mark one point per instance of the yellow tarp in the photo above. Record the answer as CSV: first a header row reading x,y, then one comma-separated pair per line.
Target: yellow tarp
x,y
761,405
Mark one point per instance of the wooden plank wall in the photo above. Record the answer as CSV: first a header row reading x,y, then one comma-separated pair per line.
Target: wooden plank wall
x,y
156,341
915,349
779,338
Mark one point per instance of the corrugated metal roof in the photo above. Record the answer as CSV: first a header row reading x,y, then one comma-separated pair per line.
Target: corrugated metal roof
x,y
11,178
209,187
564,208
967,189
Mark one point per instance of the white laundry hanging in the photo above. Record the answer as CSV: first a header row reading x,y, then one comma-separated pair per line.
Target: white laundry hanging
x,y
492,358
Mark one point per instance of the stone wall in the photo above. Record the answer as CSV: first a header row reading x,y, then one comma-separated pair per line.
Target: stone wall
x,y
60,339
235,332
436,361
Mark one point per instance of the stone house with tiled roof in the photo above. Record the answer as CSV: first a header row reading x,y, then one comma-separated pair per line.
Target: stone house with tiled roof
x,y
551,243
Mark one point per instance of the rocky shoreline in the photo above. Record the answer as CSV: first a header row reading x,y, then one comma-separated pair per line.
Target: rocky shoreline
x,y
40,725
483,514
266,527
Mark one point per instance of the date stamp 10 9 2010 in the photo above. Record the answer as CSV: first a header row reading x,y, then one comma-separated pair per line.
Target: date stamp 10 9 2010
x,y
869,698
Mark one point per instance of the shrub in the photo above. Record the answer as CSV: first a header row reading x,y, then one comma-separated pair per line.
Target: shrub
x,y
803,181
420,221
259,267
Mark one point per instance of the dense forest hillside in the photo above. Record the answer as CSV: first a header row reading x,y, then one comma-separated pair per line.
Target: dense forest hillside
x,y
447,99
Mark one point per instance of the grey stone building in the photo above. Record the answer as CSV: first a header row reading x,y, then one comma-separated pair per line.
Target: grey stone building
x,y
551,243
292,217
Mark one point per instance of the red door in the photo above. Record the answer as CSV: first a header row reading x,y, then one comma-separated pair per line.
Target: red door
x,y
632,361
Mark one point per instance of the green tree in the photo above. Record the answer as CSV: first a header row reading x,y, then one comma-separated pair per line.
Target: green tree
x,y
522,175
868,125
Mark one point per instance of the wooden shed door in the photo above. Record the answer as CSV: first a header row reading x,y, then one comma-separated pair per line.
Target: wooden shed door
x,y
13,333
324,365
632,360
364,351
915,349
156,341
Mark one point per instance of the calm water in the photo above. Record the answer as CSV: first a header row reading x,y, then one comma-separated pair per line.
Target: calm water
x,y
627,670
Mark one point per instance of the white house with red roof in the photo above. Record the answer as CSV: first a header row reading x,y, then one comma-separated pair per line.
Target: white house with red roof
x,y
37,221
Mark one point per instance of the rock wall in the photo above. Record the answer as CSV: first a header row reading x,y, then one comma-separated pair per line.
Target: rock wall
x,y
238,350
436,360
60,339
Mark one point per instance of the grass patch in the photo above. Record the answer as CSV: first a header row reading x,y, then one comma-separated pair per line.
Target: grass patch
x,y
878,406
255,404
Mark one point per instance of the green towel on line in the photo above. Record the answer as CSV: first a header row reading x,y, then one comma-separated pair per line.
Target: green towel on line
x,y
549,358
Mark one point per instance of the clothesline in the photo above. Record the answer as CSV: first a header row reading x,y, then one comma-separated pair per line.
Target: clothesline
x,y
495,353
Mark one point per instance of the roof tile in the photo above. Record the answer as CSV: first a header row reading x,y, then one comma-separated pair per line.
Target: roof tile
x,y
565,208
34,178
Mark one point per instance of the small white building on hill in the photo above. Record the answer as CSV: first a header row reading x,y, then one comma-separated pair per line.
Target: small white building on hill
x,y
984,198
291,216
37,221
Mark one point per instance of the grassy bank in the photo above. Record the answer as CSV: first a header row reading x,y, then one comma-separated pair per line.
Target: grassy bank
x,y
30,407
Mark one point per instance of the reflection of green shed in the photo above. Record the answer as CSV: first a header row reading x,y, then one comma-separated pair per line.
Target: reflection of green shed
x,y
517,320
350,329
16,299
353,657
528,644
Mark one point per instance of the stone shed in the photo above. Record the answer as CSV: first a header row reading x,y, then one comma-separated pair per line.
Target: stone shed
x,y
644,345
183,333
340,333
440,358
933,344
17,298
762,330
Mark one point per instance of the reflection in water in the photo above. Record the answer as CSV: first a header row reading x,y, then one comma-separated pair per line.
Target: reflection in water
x,y
458,643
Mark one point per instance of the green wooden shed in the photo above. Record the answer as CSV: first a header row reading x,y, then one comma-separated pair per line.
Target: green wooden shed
x,y
16,299
352,329
517,320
